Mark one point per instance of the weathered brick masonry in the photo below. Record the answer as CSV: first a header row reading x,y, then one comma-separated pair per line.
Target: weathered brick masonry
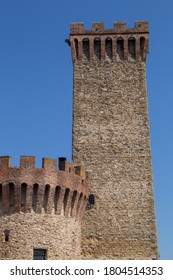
x,y
111,138
41,208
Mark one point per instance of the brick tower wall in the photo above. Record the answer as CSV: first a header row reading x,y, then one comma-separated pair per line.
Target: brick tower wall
x,y
111,138
41,208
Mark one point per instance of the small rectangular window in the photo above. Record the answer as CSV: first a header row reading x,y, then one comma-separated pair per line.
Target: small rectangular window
x,y
6,235
39,254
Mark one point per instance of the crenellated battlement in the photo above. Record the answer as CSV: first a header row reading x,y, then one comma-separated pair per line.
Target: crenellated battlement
x,y
116,44
48,164
50,190
141,26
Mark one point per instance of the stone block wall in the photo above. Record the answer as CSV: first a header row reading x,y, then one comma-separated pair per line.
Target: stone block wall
x,y
60,236
111,138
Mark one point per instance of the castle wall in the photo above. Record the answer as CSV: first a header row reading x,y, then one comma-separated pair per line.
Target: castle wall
x,y
41,208
111,137
59,236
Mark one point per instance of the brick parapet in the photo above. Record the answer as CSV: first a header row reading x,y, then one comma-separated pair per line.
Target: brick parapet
x,y
83,42
18,185
141,26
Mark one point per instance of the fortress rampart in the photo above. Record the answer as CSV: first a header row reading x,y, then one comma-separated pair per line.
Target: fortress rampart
x,y
117,44
33,199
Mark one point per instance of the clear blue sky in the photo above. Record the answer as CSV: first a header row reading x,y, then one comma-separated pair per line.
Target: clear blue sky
x,y
36,84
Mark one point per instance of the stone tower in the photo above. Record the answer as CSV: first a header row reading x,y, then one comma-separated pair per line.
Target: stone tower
x,y
111,139
41,209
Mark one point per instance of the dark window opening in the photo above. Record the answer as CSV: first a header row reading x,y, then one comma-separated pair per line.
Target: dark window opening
x,y
34,196
73,201
0,194
6,235
91,201
86,48
62,163
108,46
67,191
1,204
79,204
26,164
76,47
11,195
97,48
56,197
39,254
120,48
46,197
142,44
131,47
23,194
